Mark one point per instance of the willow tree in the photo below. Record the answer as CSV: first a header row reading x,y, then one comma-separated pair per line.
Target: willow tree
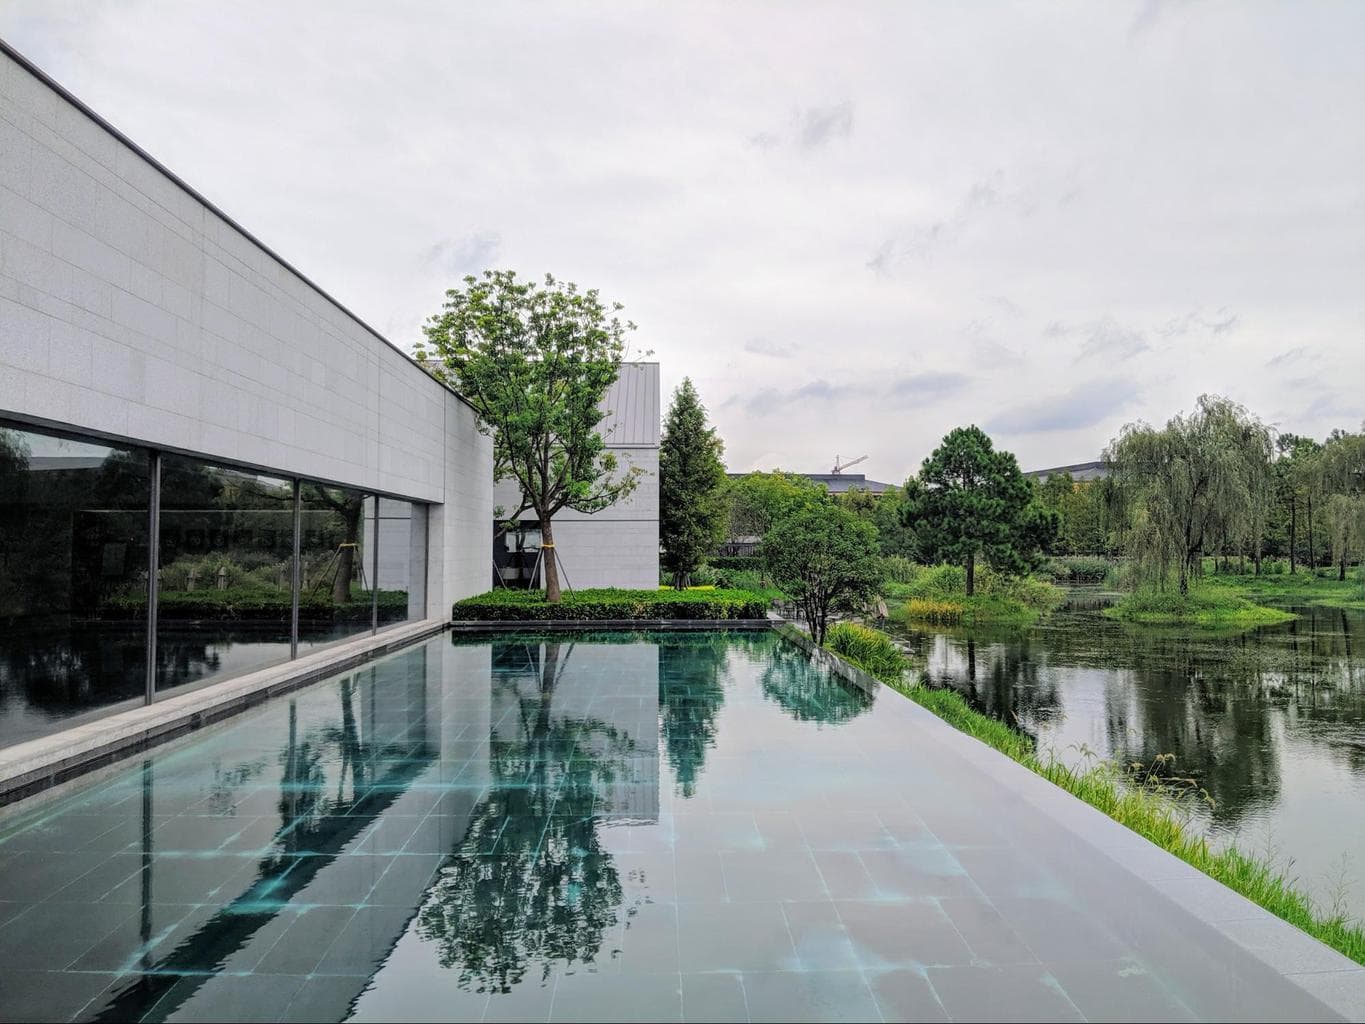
x,y
692,510
535,361
1191,484
1342,474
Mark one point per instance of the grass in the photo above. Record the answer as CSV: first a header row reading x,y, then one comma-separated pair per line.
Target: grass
x,y
1206,605
870,649
1298,588
938,594
1144,801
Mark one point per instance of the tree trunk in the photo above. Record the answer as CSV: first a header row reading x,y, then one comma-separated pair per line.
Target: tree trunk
x,y
971,574
549,562
341,584
1293,533
1312,555
1185,575
1341,570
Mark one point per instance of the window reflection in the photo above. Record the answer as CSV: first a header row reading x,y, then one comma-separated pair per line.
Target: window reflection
x,y
401,531
336,599
73,579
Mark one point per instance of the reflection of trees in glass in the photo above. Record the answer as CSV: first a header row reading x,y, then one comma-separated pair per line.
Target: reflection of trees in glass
x,y
808,693
347,506
691,694
531,884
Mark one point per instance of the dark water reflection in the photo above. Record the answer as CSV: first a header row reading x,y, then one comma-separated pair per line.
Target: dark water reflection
x,y
1270,721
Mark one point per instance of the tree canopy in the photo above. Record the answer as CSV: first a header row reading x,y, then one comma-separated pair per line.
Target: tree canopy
x,y
825,558
758,500
692,509
536,361
971,501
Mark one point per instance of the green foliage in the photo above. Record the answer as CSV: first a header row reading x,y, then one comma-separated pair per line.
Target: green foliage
x,y
587,605
1202,480
825,559
1079,568
536,361
754,562
899,569
1205,605
870,649
938,594
254,603
758,500
971,501
692,511
1276,584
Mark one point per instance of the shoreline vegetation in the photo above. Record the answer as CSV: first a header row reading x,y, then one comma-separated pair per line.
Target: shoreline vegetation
x,y
938,595
1141,802
1206,605
1302,587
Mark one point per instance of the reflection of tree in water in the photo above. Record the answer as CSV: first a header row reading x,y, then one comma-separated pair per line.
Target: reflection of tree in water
x,y
1218,702
807,692
531,883
691,694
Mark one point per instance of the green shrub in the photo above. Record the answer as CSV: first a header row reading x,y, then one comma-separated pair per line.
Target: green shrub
x,y
589,605
254,603
899,569
1079,568
869,649
754,562
1205,605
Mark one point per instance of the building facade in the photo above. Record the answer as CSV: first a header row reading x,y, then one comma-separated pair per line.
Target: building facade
x,y
619,546
207,464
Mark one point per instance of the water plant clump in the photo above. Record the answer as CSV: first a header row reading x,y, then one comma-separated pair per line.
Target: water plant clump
x,y
1207,604
1152,799
938,595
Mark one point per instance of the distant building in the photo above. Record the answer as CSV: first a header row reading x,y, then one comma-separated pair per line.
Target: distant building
x,y
1080,472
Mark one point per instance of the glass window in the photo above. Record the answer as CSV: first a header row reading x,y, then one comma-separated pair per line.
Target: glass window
x,y
401,531
337,596
73,579
224,605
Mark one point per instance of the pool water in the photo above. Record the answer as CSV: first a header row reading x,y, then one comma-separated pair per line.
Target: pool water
x,y
697,826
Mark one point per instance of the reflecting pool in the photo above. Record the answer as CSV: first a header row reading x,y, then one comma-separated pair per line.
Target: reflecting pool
x,y
636,826
1271,722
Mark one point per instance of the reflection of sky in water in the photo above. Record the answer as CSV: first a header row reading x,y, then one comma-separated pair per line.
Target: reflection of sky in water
x,y
1271,722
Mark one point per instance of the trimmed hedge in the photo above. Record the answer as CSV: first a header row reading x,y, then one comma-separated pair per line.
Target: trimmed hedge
x,y
590,605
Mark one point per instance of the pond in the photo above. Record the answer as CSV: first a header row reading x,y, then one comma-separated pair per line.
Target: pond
x,y
1271,721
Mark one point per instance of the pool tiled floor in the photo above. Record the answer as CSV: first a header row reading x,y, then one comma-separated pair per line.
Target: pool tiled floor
x,y
644,827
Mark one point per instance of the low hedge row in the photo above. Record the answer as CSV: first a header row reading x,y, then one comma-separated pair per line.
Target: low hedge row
x,y
246,603
590,605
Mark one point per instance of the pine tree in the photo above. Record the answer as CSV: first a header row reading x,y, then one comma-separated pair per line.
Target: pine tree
x,y
692,509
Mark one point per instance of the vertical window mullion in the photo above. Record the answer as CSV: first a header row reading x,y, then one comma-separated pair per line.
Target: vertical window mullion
x,y
374,576
153,568
296,582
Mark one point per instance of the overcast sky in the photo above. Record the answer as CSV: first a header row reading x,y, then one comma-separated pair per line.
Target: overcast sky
x,y
855,226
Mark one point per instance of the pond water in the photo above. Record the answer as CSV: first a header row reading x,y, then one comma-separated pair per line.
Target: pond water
x,y
1271,722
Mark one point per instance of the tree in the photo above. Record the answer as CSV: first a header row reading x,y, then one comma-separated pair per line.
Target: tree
x,y
692,512
1191,484
536,361
758,500
970,501
825,558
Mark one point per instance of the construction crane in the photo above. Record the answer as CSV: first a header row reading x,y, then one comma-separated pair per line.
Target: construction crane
x,y
839,467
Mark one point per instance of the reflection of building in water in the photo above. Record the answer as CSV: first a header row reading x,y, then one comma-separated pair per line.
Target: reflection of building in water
x,y
605,695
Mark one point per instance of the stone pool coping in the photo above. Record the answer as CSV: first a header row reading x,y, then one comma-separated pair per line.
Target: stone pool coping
x,y
1303,961
40,764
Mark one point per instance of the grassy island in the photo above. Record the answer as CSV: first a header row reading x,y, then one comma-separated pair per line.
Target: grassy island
x,y
938,595
1206,605
1281,587
1141,800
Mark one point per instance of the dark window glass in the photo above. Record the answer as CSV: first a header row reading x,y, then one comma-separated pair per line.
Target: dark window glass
x,y
337,597
227,543
73,580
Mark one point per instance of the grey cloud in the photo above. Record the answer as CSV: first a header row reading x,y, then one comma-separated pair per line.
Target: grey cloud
x,y
810,128
1294,354
767,401
1151,12
468,255
1108,339
929,385
1221,322
775,349
1084,406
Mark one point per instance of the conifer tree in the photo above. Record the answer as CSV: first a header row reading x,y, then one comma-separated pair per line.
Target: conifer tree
x,y
692,510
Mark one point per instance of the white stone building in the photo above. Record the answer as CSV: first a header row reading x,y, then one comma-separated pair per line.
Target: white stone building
x,y
619,546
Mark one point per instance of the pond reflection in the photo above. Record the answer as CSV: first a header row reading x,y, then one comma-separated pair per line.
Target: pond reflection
x,y
1270,721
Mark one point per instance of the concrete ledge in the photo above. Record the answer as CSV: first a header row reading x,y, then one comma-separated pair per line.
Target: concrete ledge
x,y
40,764
579,625
1329,977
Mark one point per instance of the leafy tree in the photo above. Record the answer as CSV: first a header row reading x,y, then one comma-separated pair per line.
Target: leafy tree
x,y
1342,473
536,361
692,512
825,558
971,501
758,500
1191,483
